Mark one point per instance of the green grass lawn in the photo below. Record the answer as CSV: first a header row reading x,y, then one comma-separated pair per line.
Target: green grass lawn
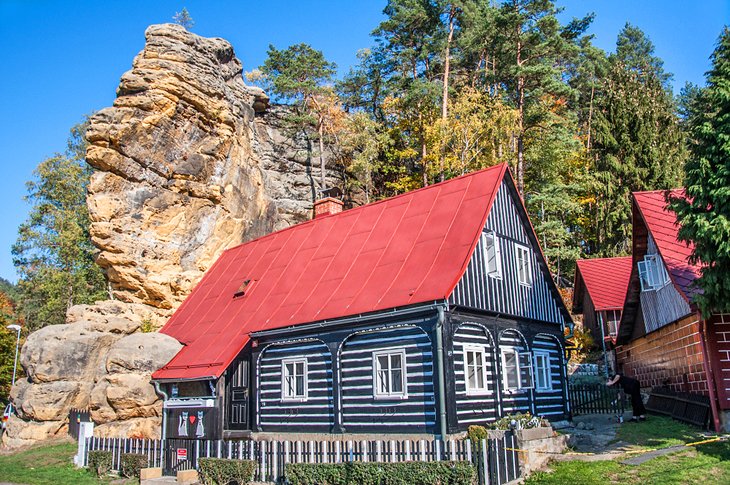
x,y
707,464
46,464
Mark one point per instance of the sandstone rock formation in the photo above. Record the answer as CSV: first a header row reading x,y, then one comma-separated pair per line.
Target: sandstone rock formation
x,y
189,161
94,361
186,168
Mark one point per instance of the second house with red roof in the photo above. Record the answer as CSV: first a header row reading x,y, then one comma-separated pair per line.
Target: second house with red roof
x,y
421,314
644,305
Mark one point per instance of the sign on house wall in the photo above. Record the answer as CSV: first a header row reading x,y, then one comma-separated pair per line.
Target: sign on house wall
x,y
192,423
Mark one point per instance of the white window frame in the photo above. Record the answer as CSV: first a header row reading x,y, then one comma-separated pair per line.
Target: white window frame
x,y
652,273
523,359
485,374
377,393
285,396
492,252
545,372
523,277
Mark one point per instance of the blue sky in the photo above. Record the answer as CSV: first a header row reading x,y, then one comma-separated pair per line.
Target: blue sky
x,y
62,60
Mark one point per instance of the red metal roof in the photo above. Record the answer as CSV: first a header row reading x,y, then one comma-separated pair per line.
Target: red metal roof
x,y
663,227
406,250
606,280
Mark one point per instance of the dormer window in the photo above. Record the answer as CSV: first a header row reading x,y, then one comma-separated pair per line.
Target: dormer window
x,y
524,268
652,273
492,254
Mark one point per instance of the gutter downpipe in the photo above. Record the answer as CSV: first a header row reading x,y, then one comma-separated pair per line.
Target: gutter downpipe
x,y
709,375
442,371
165,397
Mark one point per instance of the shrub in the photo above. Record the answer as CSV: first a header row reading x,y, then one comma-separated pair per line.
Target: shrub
x,y
100,462
132,463
521,421
404,473
220,471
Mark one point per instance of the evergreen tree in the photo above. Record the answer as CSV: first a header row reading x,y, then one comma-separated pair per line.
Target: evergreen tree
x,y
302,76
53,253
535,54
638,142
183,18
704,216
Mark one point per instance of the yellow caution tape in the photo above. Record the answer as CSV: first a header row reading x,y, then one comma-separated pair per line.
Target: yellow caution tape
x,y
628,452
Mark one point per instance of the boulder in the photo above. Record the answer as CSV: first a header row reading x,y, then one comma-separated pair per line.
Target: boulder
x,y
141,352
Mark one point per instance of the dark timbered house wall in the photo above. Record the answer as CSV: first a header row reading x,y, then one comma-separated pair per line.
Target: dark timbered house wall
x,y
551,403
506,295
475,408
316,412
519,400
362,411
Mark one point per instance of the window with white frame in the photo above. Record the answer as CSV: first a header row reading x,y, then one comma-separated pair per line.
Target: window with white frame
x,y
652,273
294,379
389,374
516,369
492,254
543,378
612,318
524,268
475,370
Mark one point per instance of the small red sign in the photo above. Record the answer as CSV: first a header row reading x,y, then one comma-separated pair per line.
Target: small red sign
x,y
182,454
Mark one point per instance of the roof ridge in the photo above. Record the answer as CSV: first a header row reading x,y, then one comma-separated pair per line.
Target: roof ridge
x,y
675,189
381,201
603,258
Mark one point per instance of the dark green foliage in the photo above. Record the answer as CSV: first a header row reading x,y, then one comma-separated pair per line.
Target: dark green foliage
x,y
220,471
100,462
53,253
637,140
404,473
132,463
705,217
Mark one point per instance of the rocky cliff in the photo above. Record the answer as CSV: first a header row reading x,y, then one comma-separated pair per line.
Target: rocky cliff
x,y
188,161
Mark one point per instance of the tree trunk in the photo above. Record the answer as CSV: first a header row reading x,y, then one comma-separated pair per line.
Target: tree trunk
x,y
590,117
321,155
445,96
520,113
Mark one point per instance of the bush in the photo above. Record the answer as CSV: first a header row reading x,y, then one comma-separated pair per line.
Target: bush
x,y
100,462
404,473
521,421
132,463
220,471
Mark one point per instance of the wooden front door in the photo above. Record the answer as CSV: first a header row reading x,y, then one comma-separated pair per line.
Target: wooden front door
x,y
238,397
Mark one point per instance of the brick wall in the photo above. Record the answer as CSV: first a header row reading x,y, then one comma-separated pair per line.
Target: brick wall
x,y
671,355
718,329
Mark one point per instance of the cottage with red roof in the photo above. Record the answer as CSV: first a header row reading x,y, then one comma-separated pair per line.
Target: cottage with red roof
x,y
662,339
423,313
598,294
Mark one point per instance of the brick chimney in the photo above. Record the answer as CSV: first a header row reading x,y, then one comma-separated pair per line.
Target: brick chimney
x,y
327,206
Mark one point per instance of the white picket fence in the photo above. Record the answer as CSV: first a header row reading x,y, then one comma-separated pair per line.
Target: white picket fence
x,y
496,460
153,449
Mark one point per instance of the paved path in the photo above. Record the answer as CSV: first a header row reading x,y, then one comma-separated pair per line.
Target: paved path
x,y
649,455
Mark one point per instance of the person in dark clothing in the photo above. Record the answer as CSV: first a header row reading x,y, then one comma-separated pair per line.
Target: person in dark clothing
x,y
633,389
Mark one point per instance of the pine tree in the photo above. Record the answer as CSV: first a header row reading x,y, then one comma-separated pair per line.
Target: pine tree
x,y
302,76
535,53
704,216
183,18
